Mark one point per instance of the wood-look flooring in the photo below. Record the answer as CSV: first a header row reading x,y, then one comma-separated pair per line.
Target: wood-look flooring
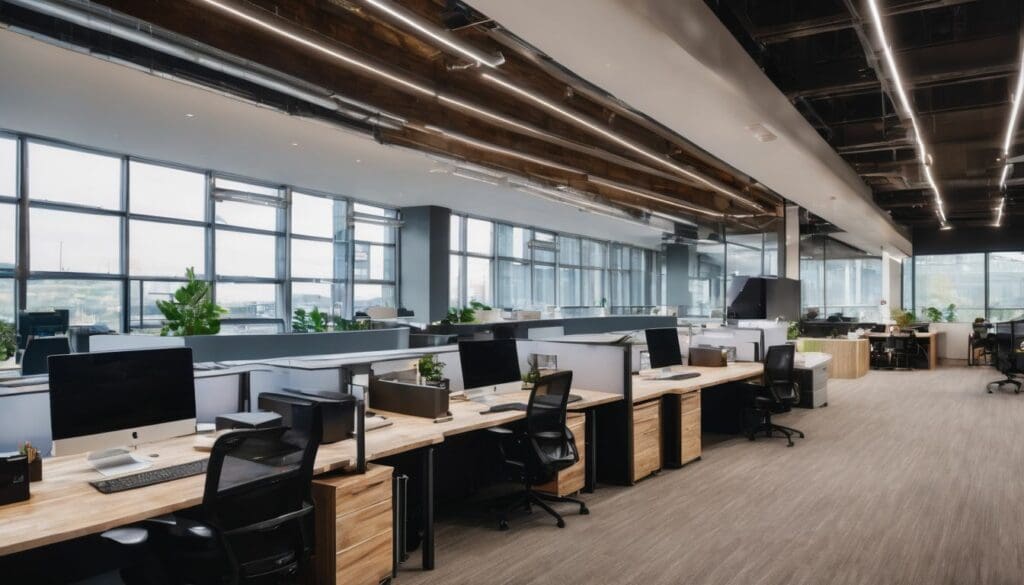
x,y
912,478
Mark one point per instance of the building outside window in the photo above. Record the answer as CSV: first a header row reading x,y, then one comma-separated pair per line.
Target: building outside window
x,y
110,235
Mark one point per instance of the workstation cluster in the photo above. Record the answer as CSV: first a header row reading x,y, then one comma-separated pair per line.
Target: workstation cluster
x,y
216,455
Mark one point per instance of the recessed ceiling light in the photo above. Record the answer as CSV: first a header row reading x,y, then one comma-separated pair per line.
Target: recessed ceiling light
x,y
190,115
295,143
359,161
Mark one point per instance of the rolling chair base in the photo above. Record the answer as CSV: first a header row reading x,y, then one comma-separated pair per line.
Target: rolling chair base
x,y
769,429
527,498
1001,383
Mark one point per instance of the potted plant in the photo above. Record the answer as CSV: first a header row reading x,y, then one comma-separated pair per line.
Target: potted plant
x,y
483,313
312,322
934,315
793,331
191,310
531,377
950,313
343,324
8,341
432,371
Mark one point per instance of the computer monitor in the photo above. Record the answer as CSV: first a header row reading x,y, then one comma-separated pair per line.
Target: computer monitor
x,y
102,402
489,362
41,324
663,347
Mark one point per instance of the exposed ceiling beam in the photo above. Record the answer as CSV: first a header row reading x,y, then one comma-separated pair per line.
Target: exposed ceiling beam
x,y
805,28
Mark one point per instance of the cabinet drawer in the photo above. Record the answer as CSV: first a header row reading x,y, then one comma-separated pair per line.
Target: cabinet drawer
x,y
646,446
367,563
353,496
646,411
689,439
361,525
689,402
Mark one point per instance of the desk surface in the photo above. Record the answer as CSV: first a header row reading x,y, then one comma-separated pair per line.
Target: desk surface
x,y
64,506
929,335
644,388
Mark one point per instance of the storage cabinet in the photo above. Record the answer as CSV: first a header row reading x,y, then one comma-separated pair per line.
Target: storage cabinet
x,y
569,481
646,438
354,527
689,427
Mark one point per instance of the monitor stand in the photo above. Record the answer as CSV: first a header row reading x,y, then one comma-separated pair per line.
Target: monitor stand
x,y
116,462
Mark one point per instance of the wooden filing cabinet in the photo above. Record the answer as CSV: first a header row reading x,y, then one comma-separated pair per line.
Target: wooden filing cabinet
x,y
689,427
571,480
354,527
646,438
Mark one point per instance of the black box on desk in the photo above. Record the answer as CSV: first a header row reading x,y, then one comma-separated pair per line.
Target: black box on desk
x,y
408,398
337,410
13,478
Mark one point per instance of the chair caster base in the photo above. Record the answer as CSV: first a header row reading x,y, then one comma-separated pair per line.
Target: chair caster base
x,y
561,523
502,525
584,511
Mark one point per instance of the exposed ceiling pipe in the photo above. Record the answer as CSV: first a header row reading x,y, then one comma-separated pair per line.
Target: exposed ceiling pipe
x,y
245,71
404,82
423,27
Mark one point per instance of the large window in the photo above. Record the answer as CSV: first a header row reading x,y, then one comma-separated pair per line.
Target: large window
x,y
1005,286
374,260
957,279
838,279
108,248
520,267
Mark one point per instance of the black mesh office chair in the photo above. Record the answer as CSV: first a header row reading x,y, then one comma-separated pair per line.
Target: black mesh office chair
x,y
38,352
255,522
535,453
779,393
1006,358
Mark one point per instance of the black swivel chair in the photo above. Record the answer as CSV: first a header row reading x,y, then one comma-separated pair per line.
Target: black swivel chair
x,y
778,394
540,449
255,522
1006,359
38,352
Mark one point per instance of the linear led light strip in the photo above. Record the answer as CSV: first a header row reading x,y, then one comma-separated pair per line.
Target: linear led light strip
x,y
596,129
922,149
405,82
318,47
443,37
1011,129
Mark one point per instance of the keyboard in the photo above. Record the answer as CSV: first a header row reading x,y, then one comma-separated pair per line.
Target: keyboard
x,y
150,477
677,376
505,407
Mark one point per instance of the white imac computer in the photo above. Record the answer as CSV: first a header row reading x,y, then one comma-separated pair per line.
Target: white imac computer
x,y
109,402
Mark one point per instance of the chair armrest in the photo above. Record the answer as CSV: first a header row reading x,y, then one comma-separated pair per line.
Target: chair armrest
x,y
549,435
501,431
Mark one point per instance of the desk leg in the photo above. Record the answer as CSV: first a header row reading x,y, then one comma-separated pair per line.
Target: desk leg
x,y
590,445
427,502
244,395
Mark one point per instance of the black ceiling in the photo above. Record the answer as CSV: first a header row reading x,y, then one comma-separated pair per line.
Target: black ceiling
x,y
959,60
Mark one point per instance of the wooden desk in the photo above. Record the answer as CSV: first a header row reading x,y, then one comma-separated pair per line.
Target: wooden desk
x,y
64,506
930,339
851,358
667,415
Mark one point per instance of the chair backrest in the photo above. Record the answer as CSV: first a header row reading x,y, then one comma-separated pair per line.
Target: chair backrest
x,y
550,441
38,352
546,409
778,363
257,497
778,373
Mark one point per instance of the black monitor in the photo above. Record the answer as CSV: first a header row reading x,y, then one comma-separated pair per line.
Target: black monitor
x,y
489,363
120,398
663,347
41,324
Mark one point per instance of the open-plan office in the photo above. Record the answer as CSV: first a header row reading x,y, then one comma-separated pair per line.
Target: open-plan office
x,y
422,291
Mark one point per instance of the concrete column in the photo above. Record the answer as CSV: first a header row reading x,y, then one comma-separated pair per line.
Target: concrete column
x,y
424,261
792,243
677,275
892,281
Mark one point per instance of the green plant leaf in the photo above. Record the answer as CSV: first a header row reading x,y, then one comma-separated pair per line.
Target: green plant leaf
x,y
190,310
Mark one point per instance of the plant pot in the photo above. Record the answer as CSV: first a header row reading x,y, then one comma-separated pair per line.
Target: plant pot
x,y
35,470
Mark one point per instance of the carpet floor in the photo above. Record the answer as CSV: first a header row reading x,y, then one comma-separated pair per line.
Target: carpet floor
x,y
912,478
